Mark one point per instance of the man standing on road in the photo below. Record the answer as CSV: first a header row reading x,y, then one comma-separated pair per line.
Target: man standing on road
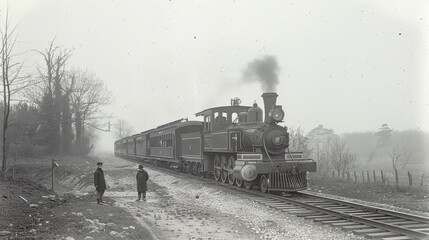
x,y
142,177
99,182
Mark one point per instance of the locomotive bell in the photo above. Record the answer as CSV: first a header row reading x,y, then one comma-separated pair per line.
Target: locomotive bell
x,y
248,172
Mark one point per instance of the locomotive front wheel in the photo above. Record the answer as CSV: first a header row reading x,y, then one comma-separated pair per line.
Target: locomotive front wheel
x,y
239,182
217,168
263,183
248,184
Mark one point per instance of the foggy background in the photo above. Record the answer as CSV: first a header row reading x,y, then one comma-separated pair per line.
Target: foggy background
x,y
349,65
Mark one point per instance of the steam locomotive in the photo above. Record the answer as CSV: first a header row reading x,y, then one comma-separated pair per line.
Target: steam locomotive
x,y
232,143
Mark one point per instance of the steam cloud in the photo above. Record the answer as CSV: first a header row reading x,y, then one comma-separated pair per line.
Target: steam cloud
x,y
263,70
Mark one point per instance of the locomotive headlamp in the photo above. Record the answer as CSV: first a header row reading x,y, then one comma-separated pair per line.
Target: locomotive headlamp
x,y
277,113
277,140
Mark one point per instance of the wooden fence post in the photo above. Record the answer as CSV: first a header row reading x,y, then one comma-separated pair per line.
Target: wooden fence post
x,y
356,176
363,177
367,176
382,177
348,176
410,179
373,173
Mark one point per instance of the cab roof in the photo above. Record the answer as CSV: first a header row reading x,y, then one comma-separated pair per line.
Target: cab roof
x,y
223,109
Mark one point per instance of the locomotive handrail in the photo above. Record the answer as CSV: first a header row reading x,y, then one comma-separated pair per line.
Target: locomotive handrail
x,y
265,148
266,151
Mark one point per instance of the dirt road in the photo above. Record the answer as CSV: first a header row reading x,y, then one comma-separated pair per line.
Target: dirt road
x,y
172,210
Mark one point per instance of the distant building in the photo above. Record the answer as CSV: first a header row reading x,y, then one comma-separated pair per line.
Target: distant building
x,y
321,135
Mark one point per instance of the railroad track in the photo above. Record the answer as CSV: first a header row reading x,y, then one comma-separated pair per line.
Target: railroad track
x,y
371,222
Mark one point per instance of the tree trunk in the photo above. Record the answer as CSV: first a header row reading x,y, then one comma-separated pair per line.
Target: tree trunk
x,y
66,124
56,128
6,108
6,111
78,126
396,177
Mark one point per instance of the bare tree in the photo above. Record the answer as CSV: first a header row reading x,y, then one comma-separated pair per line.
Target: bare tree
x,y
122,128
87,97
299,142
12,79
320,139
322,158
399,155
49,93
341,158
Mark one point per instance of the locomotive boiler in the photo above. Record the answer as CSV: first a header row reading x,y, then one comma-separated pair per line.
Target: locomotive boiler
x,y
235,144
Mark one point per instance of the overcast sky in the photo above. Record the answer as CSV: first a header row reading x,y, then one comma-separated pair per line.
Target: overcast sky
x,y
349,65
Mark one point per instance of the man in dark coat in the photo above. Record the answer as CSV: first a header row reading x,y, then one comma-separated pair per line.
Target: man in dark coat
x,y
142,177
99,182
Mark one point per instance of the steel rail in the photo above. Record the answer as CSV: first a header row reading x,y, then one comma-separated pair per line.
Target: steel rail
x,y
294,200
362,220
380,210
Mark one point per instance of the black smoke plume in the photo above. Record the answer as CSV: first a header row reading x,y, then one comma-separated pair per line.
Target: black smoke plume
x,y
263,70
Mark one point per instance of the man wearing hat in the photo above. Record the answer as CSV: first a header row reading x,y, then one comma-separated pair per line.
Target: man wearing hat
x,y
142,177
99,182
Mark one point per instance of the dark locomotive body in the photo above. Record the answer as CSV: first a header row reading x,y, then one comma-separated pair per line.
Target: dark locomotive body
x,y
232,143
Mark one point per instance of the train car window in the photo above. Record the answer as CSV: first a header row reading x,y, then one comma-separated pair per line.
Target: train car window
x,y
217,118
234,117
223,119
209,125
169,140
155,141
207,122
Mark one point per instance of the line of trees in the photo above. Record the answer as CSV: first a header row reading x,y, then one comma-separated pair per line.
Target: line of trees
x,y
52,110
342,154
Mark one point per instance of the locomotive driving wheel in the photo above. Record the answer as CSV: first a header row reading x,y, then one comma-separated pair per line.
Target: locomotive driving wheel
x,y
188,167
263,183
217,168
248,184
239,182
194,168
199,169
224,165
231,164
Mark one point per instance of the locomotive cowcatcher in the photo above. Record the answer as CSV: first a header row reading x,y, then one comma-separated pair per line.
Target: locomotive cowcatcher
x,y
232,143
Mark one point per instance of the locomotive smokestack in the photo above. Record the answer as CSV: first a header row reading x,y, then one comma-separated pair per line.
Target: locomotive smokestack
x,y
270,99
